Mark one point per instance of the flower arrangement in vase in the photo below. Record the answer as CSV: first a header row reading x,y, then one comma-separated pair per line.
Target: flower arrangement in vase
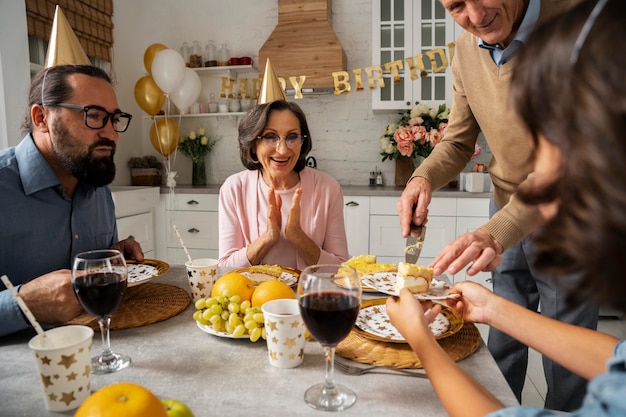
x,y
196,146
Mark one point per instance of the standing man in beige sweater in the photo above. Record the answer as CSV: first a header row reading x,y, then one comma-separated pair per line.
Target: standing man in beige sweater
x,y
484,58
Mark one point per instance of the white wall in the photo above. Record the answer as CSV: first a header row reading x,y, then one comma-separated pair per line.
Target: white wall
x,y
14,71
344,128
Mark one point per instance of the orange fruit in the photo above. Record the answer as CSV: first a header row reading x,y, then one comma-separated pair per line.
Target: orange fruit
x,y
235,284
270,290
122,399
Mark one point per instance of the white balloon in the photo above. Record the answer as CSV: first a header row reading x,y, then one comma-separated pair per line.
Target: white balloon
x,y
188,91
168,70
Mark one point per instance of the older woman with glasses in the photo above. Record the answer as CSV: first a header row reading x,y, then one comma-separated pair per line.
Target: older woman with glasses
x,y
279,211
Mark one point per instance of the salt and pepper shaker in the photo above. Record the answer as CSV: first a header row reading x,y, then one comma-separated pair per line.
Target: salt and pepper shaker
x,y
379,178
372,178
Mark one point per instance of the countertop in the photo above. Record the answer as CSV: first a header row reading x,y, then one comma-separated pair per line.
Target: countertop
x,y
219,376
348,190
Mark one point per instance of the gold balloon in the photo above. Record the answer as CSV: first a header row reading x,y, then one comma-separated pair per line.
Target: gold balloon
x,y
164,135
150,53
148,95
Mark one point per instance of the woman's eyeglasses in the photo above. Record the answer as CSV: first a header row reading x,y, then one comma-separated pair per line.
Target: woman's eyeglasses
x,y
97,117
292,140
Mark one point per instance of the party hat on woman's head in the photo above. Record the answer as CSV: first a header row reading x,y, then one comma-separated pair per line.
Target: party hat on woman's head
x,y
270,88
64,47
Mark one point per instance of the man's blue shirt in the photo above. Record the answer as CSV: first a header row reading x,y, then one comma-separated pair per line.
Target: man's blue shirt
x,y
42,227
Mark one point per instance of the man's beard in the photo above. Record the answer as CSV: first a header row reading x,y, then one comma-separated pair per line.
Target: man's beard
x,y
83,166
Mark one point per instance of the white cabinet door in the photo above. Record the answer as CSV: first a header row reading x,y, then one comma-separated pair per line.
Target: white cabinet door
x,y
415,33
387,243
141,227
356,212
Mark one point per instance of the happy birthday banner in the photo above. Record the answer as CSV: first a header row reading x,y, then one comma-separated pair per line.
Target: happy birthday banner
x,y
341,79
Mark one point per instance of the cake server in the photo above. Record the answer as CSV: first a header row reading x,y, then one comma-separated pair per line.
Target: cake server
x,y
414,243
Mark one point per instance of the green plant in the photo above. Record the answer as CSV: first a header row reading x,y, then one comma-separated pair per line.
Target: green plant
x,y
147,161
196,145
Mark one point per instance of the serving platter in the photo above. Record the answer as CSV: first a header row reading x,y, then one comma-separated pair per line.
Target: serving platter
x,y
373,323
142,272
385,282
288,275
210,330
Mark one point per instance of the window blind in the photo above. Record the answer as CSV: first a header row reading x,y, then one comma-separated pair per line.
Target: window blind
x,y
91,20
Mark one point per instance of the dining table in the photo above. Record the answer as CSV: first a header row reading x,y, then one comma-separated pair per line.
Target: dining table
x,y
221,376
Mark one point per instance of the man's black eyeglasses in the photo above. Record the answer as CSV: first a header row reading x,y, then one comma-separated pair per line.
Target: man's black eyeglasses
x,y
96,117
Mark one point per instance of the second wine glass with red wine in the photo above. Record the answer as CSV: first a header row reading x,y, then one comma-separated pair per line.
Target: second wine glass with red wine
x,y
99,279
330,298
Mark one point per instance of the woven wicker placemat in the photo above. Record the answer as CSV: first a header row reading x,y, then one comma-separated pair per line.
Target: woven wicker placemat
x,y
400,355
144,304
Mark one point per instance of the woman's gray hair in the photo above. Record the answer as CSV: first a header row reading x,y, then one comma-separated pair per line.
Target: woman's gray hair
x,y
252,125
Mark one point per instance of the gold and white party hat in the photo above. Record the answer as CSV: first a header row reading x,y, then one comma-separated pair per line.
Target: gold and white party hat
x,y
270,87
64,47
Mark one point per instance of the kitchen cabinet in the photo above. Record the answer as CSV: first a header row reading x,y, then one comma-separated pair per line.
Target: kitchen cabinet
x,y
195,216
420,33
356,212
386,239
135,213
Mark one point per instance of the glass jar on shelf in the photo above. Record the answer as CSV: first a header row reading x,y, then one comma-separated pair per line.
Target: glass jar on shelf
x,y
224,55
233,104
210,54
222,104
195,56
212,104
184,52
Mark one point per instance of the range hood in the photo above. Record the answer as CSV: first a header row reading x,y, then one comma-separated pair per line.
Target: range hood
x,y
304,43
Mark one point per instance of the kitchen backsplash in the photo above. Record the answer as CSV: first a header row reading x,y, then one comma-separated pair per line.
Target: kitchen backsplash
x,y
345,131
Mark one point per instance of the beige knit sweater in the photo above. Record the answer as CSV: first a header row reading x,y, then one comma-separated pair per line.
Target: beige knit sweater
x,y
481,102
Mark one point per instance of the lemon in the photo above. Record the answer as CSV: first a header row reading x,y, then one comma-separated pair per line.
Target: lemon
x,y
233,283
122,399
270,290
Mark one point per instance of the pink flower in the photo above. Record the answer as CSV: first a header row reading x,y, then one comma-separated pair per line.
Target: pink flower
x,y
419,134
404,139
442,127
434,137
416,121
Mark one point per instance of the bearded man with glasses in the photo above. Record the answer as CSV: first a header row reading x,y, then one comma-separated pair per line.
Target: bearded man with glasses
x,y
52,185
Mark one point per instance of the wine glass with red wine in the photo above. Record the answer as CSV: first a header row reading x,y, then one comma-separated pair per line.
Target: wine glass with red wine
x,y
99,279
330,298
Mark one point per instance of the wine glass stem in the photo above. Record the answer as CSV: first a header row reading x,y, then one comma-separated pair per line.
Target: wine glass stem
x,y
330,389
106,341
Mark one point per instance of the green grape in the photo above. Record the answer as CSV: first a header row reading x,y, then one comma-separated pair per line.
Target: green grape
x,y
206,314
229,328
235,299
222,300
250,324
216,309
216,318
233,307
200,304
255,334
258,317
209,302
263,333
239,331
225,315
234,320
217,326
245,305
197,315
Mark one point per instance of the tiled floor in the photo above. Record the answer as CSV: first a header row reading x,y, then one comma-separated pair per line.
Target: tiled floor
x,y
534,392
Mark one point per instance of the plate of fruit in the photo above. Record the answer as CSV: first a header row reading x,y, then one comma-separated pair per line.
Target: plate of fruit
x,y
228,316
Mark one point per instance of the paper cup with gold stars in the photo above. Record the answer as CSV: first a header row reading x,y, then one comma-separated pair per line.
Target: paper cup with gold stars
x,y
285,329
64,365
202,274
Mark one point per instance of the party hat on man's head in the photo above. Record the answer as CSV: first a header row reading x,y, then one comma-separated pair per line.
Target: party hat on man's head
x,y
64,47
270,88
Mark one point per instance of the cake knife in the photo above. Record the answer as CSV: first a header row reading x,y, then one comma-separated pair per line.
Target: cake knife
x,y
414,243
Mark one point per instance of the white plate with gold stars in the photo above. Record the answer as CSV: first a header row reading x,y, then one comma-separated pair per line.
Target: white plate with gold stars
x,y
142,272
373,323
210,330
385,282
